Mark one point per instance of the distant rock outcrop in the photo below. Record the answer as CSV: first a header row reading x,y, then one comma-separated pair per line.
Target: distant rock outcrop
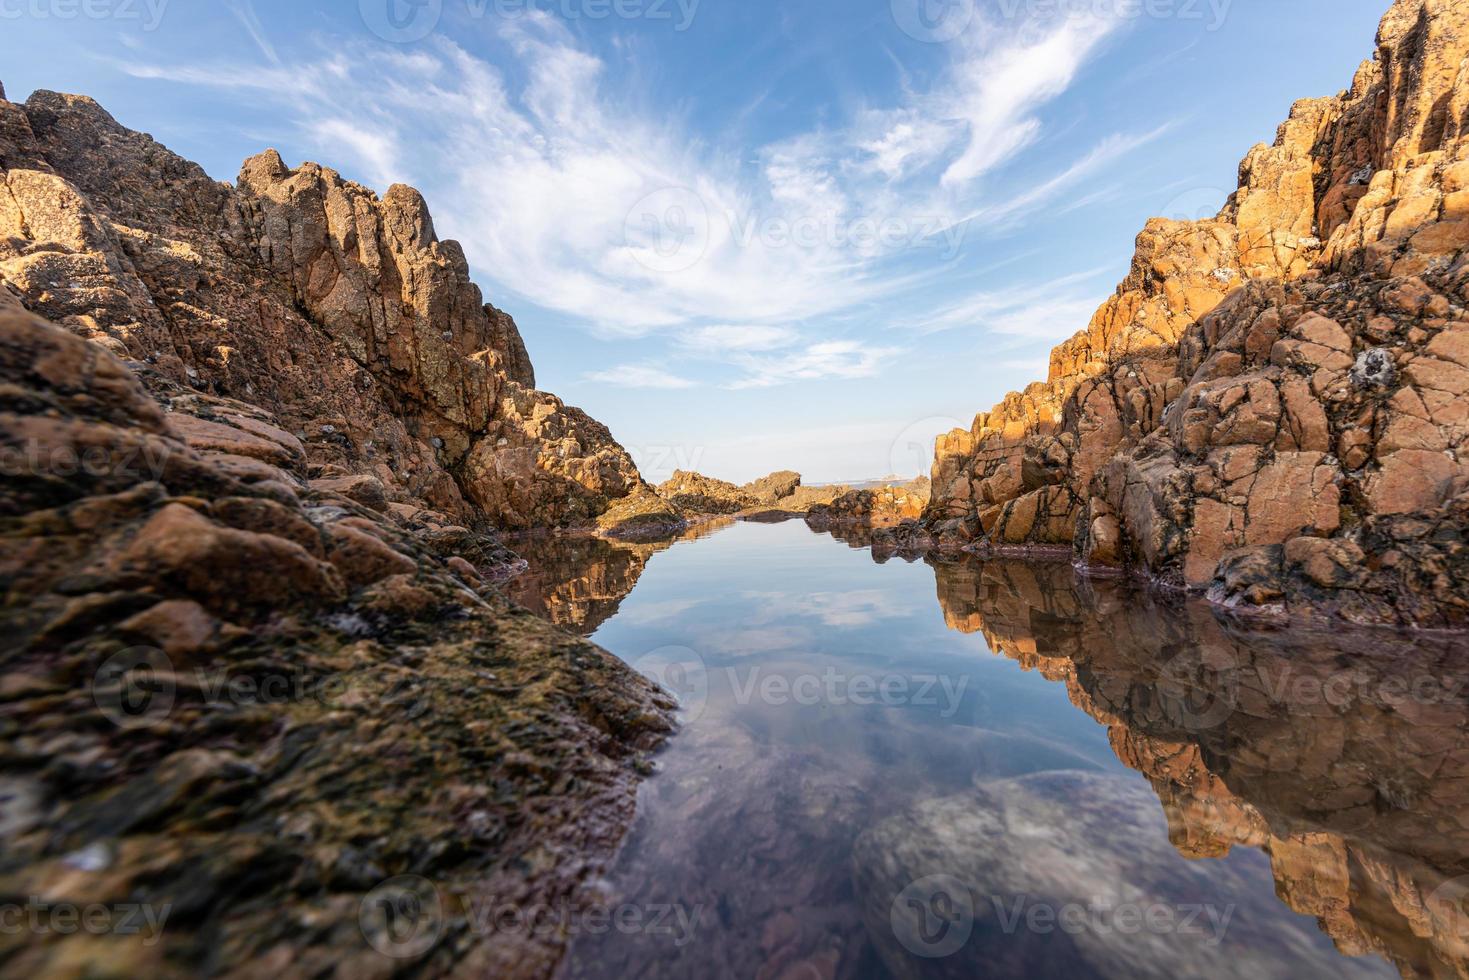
x,y
881,507
697,494
1274,407
337,311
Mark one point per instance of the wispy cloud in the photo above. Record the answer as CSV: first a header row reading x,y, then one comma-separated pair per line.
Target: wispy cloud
x,y
720,339
640,376
244,11
1049,311
550,181
844,359
1043,195
1002,80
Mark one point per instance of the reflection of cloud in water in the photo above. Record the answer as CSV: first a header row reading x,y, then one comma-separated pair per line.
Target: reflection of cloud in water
x,y
1052,868
753,816
652,613
794,825
859,607
770,639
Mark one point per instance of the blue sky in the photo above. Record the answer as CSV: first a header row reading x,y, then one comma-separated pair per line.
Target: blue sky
x,y
746,234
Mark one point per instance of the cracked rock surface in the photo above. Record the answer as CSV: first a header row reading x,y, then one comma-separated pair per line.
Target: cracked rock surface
x,y
1273,407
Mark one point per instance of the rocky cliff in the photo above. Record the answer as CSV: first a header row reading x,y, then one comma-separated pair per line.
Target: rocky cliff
x,y
302,295
1273,407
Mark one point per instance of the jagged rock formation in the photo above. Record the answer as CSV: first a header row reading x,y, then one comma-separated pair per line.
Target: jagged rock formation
x,y
1340,754
881,507
696,493
1272,408
310,297
251,699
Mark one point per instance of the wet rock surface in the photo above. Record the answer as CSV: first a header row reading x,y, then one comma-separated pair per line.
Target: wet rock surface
x,y
249,697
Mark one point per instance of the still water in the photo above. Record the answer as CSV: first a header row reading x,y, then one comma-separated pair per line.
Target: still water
x,y
1003,770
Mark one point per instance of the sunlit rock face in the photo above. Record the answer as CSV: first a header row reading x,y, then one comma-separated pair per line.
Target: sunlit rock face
x,y
1342,755
1272,407
338,312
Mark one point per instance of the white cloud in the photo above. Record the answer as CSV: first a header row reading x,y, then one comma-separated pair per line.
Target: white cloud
x,y
830,359
378,153
541,177
244,11
1050,311
640,376
722,338
905,143
1001,80
1044,195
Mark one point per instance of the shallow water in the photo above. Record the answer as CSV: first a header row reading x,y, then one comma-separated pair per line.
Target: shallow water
x,y
963,770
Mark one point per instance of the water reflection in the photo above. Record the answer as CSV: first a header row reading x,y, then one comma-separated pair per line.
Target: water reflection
x,y
579,582
1342,755
824,814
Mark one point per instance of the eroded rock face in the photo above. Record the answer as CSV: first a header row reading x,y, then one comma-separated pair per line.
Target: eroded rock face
x,y
337,311
1272,409
251,698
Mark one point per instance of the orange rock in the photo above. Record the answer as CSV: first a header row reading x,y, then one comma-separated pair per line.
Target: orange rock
x,y
178,627
362,558
222,567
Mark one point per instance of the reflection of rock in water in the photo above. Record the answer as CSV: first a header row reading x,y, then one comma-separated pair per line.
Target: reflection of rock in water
x,y
859,537
578,581
1344,756
1063,874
